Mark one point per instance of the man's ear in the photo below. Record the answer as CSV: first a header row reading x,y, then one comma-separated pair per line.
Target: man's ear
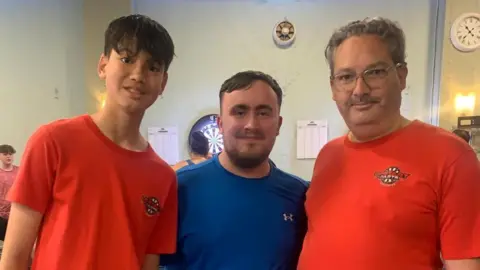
x,y
164,82
102,64
402,73
280,122
332,88
220,124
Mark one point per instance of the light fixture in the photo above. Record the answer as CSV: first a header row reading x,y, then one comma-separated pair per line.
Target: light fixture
x,y
465,103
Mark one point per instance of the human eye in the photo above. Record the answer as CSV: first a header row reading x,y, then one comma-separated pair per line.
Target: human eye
x,y
126,60
238,112
155,68
376,72
345,78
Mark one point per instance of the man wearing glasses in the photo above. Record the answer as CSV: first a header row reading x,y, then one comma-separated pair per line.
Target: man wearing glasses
x,y
393,193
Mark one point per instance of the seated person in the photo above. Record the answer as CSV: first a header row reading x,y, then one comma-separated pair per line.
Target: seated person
x,y
198,148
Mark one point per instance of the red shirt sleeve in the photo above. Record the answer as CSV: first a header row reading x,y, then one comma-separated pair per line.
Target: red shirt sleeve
x,y
459,209
164,236
34,182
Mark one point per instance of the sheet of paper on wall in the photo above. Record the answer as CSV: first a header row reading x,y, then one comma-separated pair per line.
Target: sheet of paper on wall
x,y
164,141
312,135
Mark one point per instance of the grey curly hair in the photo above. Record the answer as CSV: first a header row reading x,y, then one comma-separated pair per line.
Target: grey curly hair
x,y
389,31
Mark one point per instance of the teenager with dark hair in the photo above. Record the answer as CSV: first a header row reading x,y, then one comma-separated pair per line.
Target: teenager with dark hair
x,y
91,189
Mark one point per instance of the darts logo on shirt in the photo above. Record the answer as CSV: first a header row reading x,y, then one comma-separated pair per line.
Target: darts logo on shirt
x,y
391,176
152,205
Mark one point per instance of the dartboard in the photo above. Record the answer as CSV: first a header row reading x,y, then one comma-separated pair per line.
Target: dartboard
x,y
208,126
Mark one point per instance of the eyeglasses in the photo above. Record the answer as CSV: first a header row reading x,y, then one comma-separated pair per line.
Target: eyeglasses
x,y
373,78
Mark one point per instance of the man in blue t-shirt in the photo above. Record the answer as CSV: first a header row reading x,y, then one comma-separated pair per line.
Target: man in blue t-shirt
x,y
238,210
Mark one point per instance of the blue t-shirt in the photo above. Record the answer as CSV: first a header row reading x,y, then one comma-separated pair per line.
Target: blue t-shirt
x,y
227,222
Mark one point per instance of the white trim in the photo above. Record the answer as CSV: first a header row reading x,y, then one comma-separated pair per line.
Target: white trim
x,y
437,59
133,6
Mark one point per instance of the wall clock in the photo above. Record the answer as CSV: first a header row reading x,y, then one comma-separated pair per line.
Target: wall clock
x,y
465,32
208,126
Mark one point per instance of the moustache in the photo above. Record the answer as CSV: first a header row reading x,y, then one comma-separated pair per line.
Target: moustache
x,y
249,135
365,99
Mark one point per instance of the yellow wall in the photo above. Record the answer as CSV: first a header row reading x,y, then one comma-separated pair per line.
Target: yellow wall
x,y
460,71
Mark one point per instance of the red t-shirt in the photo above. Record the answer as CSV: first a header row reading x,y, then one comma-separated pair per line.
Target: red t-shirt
x,y
104,207
393,203
6,182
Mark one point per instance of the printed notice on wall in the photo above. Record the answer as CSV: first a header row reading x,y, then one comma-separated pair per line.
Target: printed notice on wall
x,y
164,141
312,135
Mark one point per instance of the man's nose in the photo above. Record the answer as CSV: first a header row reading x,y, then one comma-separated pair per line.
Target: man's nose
x,y
252,121
361,87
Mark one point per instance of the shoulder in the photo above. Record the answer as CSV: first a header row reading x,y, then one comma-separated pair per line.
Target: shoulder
x,y
154,174
425,132
290,181
333,146
49,137
332,151
55,131
159,166
65,126
435,142
70,133
200,171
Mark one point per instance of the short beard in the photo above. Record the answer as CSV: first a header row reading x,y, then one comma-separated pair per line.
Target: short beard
x,y
245,161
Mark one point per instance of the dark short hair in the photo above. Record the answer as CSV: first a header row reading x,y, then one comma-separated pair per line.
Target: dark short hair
x,y
7,149
136,33
198,143
465,135
244,80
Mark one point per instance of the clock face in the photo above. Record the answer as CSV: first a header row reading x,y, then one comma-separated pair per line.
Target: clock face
x,y
465,32
208,126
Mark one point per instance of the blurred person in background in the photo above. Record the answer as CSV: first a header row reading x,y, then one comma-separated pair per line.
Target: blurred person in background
x,y
198,149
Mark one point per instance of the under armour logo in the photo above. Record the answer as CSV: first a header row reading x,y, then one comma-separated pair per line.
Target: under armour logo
x,y
288,217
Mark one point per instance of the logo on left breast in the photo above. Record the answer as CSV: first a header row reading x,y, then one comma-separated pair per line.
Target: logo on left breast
x,y
152,205
391,176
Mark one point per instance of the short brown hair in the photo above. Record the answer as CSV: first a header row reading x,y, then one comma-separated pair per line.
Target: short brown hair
x,y
7,149
244,80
